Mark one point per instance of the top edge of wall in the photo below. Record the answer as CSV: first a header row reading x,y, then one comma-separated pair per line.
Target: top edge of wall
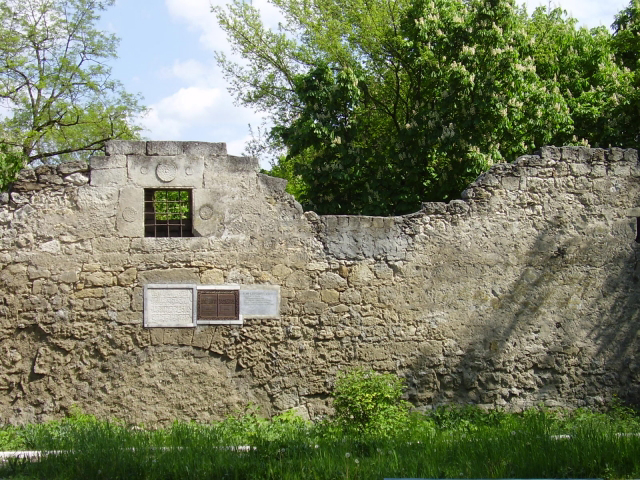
x,y
153,148
577,161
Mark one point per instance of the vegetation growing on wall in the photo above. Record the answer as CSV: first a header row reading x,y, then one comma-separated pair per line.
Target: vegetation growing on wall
x,y
383,105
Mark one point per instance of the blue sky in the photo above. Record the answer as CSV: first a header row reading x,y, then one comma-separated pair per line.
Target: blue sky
x,y
166,54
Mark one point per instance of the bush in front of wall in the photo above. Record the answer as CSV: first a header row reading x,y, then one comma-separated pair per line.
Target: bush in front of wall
x,y
367,402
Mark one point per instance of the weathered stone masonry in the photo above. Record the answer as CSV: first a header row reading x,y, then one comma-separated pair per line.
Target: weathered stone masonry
x,y
524,292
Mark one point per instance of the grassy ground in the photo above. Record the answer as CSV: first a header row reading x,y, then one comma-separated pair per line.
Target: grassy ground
x,y
447,443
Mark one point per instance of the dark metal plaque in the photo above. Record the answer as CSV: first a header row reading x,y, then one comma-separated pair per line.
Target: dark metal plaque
x,y
218,305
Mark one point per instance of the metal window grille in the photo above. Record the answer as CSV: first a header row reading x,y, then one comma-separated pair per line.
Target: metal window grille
x,y
167,213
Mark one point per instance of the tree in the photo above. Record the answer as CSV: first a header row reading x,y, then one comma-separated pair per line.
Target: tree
x,y
54,81
626,47
590,71
626,29
390,103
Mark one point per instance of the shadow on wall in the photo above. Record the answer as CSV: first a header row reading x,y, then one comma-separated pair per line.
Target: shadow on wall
x,y
567,327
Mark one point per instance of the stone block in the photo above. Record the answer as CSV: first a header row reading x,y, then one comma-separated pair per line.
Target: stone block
x,y
331,222
360,275
78,179
98,279
598,171
118,298
92,304
209,212
164,148
343,222
378,222
234,164
52,179
165,171
458,207
126,317
127,277
330,296
27,175
202,337
52,246
35,273
212,277
100,162
178,336
109,177
204,149
97,201
351,296
110,244
550,155
306,296
157,336
137,299
170,275
529,161
598,155
434,208
298,280
125,147
68,277
631,155
575,154
511,183
272,184
633,212
315,308
130,212
333,281
620,170
615,155
281,271
89,293
579,169
67,168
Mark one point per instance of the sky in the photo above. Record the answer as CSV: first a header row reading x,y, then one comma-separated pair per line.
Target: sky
x,y
166,54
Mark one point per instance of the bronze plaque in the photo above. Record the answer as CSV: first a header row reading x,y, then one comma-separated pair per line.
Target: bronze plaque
x,y
218,305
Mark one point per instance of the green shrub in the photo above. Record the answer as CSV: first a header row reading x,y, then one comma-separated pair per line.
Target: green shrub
x,y
369,402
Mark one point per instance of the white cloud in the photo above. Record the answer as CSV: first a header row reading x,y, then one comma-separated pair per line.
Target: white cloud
x,y
194,72
199,17
236,147
204,113
589,13
168,118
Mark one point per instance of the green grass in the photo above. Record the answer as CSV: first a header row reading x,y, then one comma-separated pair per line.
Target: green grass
x,y
446,443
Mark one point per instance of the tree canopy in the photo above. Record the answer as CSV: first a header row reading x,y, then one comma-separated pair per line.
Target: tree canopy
x,y
54,82
382,104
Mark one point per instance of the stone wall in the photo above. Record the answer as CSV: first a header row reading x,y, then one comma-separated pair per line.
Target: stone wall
x,y
523,292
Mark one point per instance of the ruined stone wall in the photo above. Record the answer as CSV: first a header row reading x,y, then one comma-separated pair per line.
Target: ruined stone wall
x,y
523,292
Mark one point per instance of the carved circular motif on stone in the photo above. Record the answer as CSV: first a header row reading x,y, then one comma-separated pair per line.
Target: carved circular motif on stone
x,y
129,214
167,171
206,212
144,170
188,171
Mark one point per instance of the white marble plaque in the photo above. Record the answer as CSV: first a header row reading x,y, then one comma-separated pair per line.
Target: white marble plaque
x,y
260,303
169,305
